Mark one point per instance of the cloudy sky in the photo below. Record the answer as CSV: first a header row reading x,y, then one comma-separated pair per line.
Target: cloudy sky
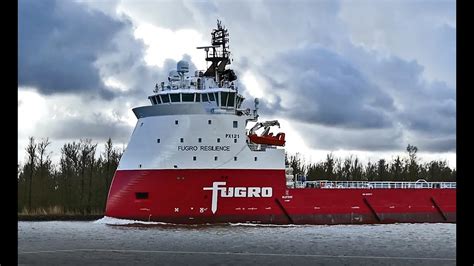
x,y
365,78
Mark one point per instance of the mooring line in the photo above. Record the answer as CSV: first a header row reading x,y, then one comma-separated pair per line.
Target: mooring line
x,y
236,253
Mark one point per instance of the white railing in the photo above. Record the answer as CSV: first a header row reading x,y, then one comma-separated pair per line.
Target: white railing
x,y
325,184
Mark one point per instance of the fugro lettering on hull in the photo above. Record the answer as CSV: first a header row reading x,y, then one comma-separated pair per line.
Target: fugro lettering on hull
x,y
236,192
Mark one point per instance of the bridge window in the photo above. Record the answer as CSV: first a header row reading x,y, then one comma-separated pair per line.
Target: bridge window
x,y
165,98
236,123
227,99
239,101
158,99
188,97
217,98
175,97
153,100
211,97
231,99
141,195
204,97
198,97
224,96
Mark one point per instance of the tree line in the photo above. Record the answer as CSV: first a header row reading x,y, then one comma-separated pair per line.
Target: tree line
x,y
80,181
405,168
78,184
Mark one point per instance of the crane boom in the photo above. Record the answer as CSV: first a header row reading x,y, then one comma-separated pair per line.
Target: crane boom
x,y
266,125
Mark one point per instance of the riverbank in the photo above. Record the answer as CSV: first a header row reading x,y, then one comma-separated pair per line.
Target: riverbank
x,y
58,217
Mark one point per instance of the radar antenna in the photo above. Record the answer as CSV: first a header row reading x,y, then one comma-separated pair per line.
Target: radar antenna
x,y
218,54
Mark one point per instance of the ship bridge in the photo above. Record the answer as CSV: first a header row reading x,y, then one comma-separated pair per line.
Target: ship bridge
x,y
193,94
183,89
210,91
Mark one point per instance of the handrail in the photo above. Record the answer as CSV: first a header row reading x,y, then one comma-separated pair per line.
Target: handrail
x,y
325,184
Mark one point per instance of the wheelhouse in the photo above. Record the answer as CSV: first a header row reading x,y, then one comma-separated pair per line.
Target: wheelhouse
x,y
223,98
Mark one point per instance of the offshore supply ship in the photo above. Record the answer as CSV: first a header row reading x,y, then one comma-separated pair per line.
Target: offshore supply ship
x,y
193,158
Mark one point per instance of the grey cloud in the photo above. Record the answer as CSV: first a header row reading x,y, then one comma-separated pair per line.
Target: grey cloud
x,y
424,106
326,89
359,91
97,128
58,43
443,144
330,138
413,30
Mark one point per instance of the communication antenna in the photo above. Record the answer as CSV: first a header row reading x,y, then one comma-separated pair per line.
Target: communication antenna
x,y
255,114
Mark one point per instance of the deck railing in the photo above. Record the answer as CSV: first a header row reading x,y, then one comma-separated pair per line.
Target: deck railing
x,y
324,184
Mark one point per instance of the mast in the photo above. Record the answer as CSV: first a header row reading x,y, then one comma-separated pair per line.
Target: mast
x,y
219,56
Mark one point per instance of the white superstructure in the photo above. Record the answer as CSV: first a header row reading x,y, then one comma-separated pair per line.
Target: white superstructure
x,y
196,121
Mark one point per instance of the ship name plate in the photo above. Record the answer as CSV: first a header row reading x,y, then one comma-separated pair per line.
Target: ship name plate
x,y
204,148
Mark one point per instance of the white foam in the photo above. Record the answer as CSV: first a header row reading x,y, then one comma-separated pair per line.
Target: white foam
x,y
116,221
264,225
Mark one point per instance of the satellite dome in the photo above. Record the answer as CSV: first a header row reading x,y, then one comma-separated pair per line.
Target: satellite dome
x,y
174,75
183,66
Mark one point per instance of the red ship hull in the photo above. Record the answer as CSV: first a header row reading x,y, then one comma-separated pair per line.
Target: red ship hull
x,y
186,196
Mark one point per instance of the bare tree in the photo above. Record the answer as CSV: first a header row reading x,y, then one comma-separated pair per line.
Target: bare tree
x,y
329,166
91,164
382,172
44,162
69,166
85,150
108,153
345,170
31,152
413,167
356,170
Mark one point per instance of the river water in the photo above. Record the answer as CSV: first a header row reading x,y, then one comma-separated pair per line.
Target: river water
x,y
111,241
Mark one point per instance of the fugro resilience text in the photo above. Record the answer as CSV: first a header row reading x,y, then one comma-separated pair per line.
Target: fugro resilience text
x,y
204,148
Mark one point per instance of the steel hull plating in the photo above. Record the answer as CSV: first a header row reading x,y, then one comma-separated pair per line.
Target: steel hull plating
x,y
226,195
